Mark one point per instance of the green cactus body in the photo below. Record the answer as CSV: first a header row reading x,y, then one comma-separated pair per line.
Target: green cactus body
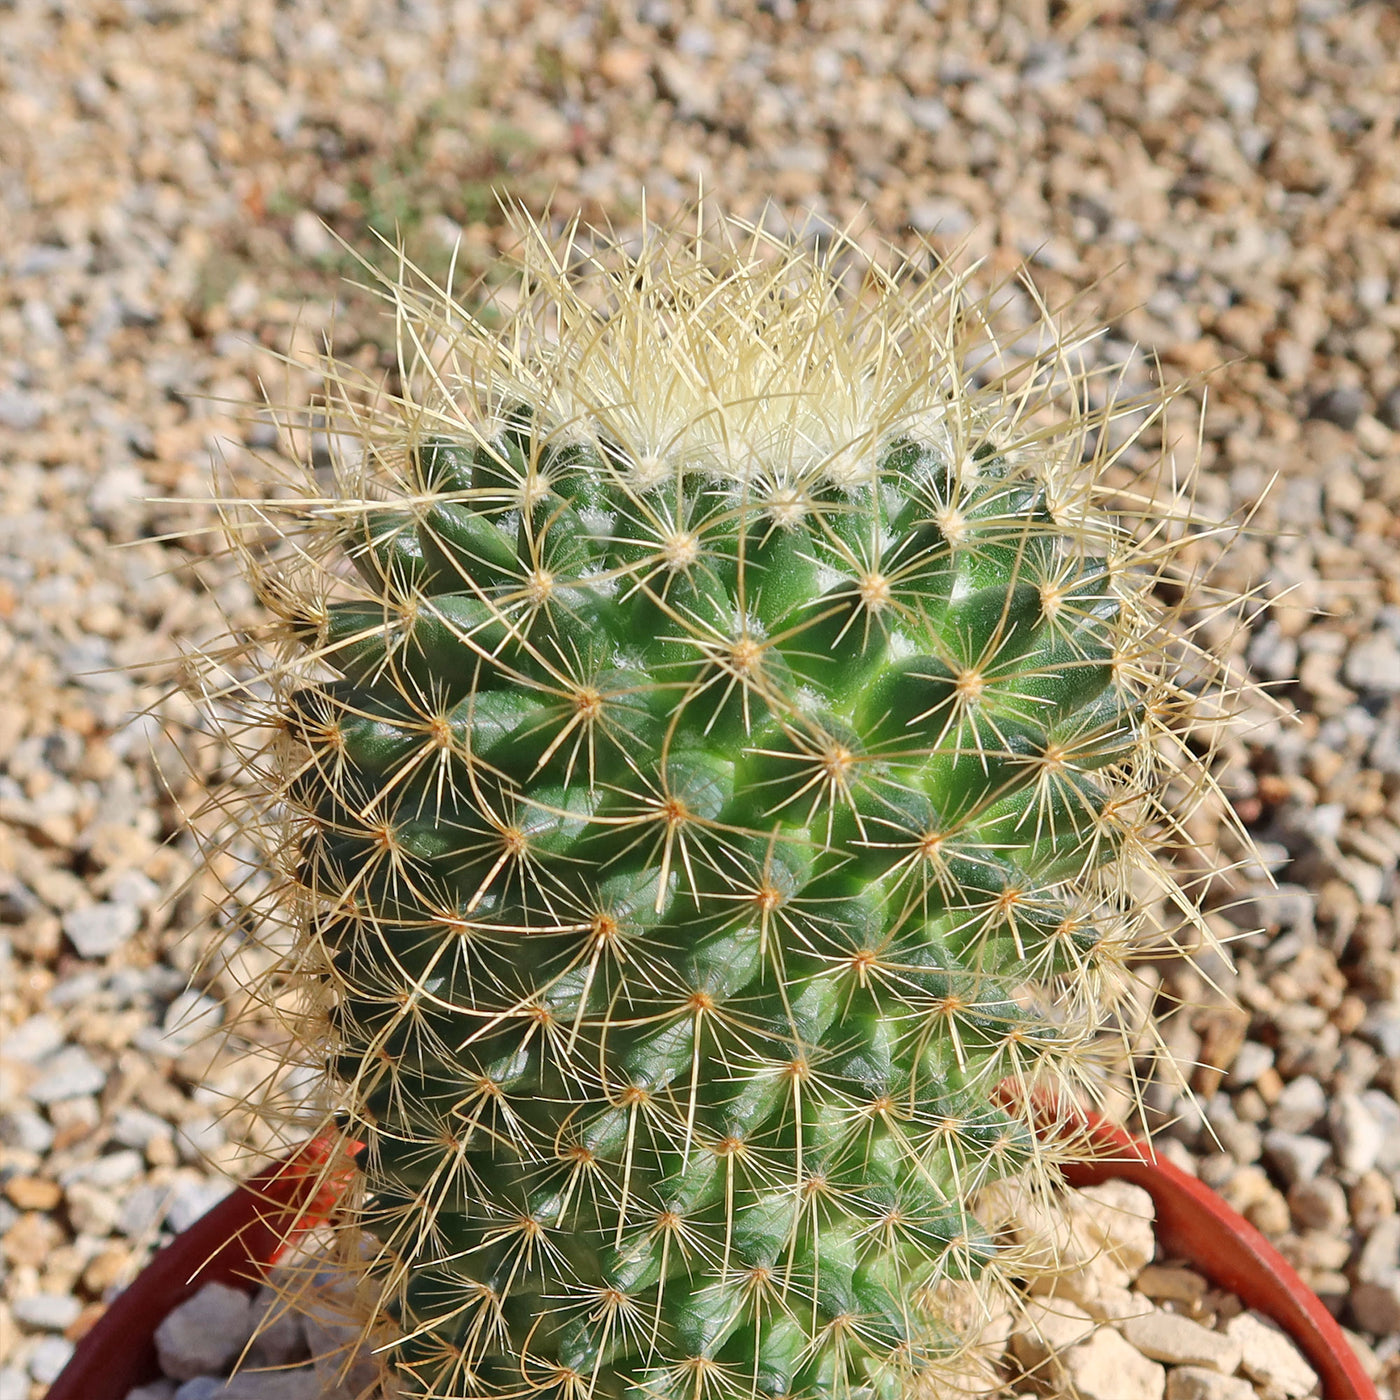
x,y
737,746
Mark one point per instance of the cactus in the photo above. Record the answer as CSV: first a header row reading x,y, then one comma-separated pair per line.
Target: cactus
x,y
720,729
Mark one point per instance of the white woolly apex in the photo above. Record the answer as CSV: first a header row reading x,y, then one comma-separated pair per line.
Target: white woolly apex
x,y
734,355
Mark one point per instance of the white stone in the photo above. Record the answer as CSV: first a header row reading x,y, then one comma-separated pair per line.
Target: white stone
x,y
1270,1357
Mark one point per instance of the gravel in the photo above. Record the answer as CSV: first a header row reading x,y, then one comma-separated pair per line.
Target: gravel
x,y
1207,182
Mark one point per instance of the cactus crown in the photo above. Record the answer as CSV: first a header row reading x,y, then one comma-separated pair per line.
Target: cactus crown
x,y
719,724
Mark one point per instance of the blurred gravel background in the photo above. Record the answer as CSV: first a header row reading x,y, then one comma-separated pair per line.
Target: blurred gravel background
x,y
1220,182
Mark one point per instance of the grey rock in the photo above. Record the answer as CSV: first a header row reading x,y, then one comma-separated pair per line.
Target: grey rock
x,y
198,1137
1342,406
17,901
1374,664
27,1130
192,1199
1386,1112
204,1334
1301,1104
1382,1028
303,1383
135,1127
49,1357
113,1169
1249,1063
14,1384
1273,656
157,1390
927,113
1319,1204
67,1075
1379,1259
1389,410
1295,1157
19,411
47,1312
188,1019
201,1388
33,1040
142,1211
1356,1135
1376,1306
100,928
278,1336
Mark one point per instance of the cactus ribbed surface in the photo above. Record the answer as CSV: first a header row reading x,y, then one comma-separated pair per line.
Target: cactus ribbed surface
x,y
728,759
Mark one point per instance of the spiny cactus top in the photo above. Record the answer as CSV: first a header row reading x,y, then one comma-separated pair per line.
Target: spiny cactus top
x,y
719,775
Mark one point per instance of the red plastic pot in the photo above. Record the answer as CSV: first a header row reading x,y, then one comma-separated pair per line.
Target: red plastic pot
x,y
244,1234
234,1243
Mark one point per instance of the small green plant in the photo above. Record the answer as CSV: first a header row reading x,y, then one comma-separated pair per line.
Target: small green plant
x,y
721,726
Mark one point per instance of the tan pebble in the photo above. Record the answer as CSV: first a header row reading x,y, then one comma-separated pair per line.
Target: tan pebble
x,y
82,1324
1318,1204
31,1238
1048,1329
1169,1283
1269,1357
105,1269
1201,1383
1319,1251
33,1192
624,65
1106,1367
1372,1199
1246,1187
1269,1214
1169,1337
